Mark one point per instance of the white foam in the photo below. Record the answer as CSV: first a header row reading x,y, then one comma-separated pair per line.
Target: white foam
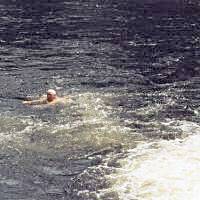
x,y
161,170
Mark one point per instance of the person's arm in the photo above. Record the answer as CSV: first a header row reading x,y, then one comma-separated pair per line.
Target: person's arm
x,y
35,102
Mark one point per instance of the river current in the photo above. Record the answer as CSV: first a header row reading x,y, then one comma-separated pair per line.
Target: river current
x,y
131,129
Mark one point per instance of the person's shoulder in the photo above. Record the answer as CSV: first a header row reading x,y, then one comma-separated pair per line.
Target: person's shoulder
x,y
62,100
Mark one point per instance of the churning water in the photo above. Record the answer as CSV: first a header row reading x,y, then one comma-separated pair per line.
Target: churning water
x,y
131,129
161,169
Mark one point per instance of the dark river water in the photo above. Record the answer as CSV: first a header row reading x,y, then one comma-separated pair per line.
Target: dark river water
x,y
131,129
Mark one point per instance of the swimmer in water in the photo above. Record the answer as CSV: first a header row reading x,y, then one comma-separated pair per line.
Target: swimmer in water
x,y
51,99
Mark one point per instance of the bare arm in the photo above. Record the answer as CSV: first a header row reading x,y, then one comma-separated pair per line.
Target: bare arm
x,y
35,102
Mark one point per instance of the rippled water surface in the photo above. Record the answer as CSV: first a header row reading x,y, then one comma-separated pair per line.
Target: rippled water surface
x,y
131,129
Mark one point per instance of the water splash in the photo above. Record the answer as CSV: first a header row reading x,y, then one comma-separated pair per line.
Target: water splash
x,y
161,169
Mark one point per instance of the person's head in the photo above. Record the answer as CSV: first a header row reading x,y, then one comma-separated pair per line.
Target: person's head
x,y
51,95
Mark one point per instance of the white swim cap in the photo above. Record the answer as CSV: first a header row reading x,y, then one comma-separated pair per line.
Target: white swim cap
x,y
51,91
